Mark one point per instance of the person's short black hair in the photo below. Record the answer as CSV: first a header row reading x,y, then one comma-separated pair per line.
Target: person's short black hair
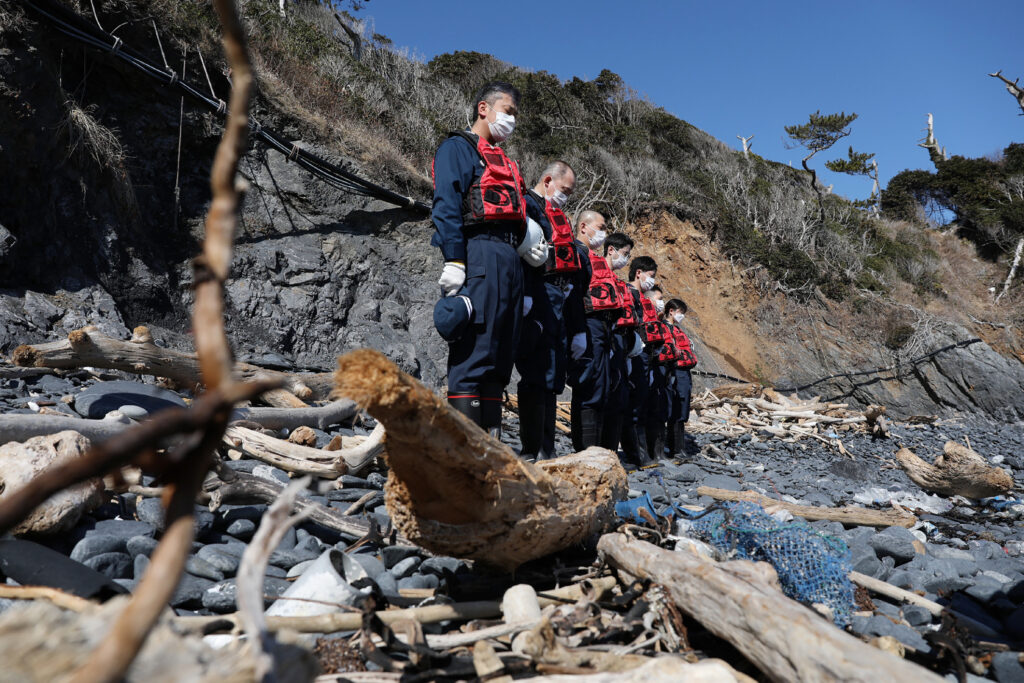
x,y
674,304
656,288
490,92
617,240
641,263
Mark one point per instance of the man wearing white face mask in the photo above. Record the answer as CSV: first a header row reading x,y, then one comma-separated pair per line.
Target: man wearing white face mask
x,y
590,375
625,343
642,271
682,382
480,219
550,334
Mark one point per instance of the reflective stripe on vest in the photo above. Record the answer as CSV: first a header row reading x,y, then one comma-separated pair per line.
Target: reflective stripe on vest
x,y
604,295
628,318
565,259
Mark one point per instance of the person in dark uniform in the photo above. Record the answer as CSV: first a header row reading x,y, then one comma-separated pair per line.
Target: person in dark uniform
x,y
589,375
642,271
657,392
551,335
625,342
479,217
682,384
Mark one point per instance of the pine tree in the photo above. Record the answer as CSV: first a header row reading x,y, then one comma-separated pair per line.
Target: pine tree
x,y
818,134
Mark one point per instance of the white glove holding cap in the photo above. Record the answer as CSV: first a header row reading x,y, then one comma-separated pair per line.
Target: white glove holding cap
x,y
452,278
533,249
578,345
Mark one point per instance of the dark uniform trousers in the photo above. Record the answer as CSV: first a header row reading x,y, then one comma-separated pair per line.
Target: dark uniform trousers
x,y
617,408
480,362
542,365
657,408
682,386
590,377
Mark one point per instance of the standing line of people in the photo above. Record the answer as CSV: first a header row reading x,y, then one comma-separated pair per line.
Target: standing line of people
x,y
521,289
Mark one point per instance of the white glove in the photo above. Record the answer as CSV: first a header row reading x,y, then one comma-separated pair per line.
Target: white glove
x,y
452,278
527,305
578,345
638,347
537,255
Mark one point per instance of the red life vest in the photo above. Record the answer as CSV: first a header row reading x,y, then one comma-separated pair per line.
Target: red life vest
x,y
668,353
497,193
628,318
566,260
687,358
604,295
652,330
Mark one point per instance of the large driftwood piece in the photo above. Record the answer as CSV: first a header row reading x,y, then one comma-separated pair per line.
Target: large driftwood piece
x,y
246,489
456,491
322,417
959,471
741,602
850,516
87,347
22,427
305,460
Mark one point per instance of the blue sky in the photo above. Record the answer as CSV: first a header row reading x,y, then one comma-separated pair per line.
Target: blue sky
x,y
750,68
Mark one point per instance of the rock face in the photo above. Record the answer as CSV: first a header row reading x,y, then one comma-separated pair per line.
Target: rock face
x,y
971,378
21,462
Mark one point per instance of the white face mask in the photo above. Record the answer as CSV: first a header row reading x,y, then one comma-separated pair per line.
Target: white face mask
x,y
597,238
678,317
647,283
659,305
620,261
503,126
558,199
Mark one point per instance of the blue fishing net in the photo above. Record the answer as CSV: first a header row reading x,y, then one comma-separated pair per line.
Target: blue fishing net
x,y
812,567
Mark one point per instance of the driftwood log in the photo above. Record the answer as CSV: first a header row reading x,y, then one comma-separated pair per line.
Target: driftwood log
x,y
850,516
456,491
321,417
244,488
959,471
22,427
88,347
292,457
741,602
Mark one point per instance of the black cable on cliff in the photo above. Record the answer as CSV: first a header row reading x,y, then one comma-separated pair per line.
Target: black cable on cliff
x,y
850,375
72,25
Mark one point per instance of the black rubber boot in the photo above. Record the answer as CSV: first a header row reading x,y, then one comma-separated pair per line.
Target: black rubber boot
x,y
642,456
531,422
590,428
678,438
611,431
656,442
629,441
490,409
670,441
470,407
547,443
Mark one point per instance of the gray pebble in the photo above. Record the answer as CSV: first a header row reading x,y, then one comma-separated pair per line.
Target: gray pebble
x,y
113,565
405,567
393,554
219,557
197,566
97,544
242,529
141,545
